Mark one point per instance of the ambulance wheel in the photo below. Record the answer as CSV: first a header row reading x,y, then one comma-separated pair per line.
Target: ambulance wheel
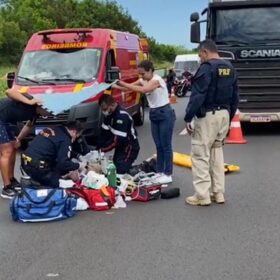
x,y
139,117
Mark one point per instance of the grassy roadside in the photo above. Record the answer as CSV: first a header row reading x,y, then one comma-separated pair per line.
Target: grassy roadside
x,y
3,83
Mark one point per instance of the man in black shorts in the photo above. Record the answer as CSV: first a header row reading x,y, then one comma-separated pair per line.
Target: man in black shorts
x,y
16,108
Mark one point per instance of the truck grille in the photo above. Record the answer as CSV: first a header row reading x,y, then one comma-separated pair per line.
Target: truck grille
x,y
259,86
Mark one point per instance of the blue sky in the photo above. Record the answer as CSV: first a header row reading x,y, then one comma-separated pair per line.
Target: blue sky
x,y
165,20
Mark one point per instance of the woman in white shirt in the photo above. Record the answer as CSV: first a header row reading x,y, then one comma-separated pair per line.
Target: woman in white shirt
x,y
162,116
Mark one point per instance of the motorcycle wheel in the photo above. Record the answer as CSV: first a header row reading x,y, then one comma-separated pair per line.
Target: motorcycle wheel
x,y
180,91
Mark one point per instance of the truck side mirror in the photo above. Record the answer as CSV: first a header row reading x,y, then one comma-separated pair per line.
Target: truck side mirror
x,y
195,32
112,74
194,17
10,79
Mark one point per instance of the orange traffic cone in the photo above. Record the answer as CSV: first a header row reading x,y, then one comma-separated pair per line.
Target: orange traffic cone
x,y
172,98
235,133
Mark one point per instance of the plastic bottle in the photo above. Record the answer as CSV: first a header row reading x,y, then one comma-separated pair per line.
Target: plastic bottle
x,y
112,174
103,163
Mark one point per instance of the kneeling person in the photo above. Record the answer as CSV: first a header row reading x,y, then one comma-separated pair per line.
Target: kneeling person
x,y
118,133
48,156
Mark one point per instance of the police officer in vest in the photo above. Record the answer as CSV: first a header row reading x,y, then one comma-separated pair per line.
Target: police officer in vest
x,y
212,105
48,156
118,133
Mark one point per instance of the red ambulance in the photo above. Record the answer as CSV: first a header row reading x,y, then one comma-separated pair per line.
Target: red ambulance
x,y
66,60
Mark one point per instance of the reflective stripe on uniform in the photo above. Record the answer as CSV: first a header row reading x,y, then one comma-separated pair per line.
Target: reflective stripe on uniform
x,y
132,127
106,127
114,131
118,132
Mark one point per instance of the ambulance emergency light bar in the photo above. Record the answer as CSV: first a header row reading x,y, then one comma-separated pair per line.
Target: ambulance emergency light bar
x,y
78,31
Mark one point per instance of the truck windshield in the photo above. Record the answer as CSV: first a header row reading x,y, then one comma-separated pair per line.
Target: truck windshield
x,y
67,66
247,25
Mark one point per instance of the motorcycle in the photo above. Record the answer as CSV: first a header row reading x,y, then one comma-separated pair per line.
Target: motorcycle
x,y
182,86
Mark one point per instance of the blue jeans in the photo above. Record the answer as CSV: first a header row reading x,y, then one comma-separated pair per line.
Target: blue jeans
x,y
162,124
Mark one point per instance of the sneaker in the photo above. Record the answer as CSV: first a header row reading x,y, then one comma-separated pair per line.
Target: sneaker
x,y
164,179
15,184
139,176
8,192
155,177
219,197
194,200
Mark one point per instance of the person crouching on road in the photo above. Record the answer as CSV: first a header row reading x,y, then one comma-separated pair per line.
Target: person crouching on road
x,y
162,116
118,132
212,105
47,158
16,108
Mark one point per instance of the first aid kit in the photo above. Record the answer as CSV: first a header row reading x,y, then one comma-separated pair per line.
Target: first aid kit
x,y
41,205
146,193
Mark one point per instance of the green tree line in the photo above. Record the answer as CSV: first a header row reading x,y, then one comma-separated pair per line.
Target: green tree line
x,y
20,19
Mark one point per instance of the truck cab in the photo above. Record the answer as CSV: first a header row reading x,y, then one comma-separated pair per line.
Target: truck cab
x,y
67,60
248,34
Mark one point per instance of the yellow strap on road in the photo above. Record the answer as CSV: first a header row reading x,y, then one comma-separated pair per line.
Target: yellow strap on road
x,y
185,161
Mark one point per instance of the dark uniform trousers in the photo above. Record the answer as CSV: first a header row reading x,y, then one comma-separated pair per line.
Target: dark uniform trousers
x,y
125,156
40,171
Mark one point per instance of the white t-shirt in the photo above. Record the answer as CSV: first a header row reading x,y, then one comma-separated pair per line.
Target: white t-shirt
x,y
159,96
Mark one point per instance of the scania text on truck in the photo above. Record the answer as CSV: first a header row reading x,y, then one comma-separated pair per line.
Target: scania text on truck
x,y
66,60
248,34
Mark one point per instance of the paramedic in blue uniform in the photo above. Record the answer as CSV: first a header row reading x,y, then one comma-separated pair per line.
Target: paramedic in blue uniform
x,y
16,108
212,105
47,158
118,133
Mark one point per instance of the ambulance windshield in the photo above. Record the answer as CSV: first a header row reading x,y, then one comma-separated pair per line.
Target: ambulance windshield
x,y
60,66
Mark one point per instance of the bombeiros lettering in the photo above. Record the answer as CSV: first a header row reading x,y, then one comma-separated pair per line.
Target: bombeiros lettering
x,y
73,45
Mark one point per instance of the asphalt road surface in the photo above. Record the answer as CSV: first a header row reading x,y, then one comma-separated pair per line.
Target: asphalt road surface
x,y
163,239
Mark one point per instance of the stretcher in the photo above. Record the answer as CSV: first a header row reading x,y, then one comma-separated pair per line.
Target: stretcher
x,y
185,161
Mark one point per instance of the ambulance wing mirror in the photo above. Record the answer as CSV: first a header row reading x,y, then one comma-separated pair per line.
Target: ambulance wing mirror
x,y
112,74
10,79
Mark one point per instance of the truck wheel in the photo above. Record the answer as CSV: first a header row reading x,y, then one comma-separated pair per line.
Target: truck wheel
x,y
139,117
